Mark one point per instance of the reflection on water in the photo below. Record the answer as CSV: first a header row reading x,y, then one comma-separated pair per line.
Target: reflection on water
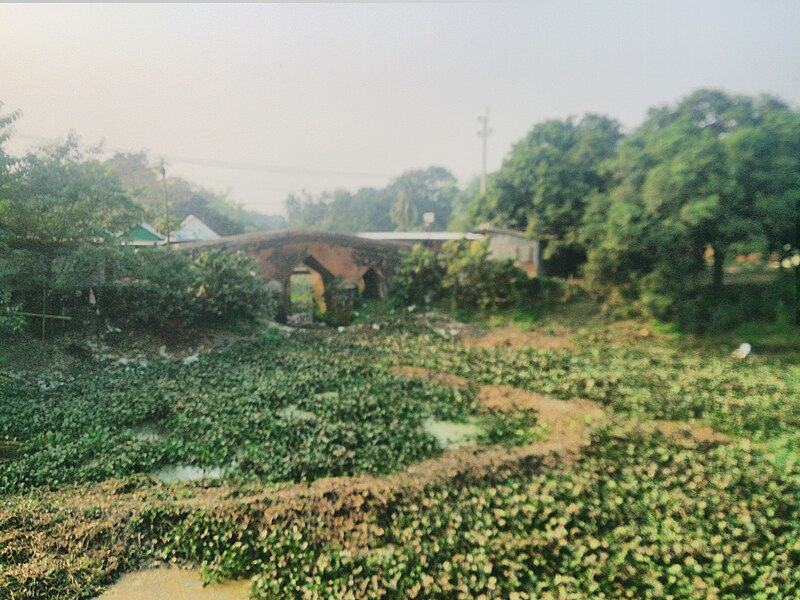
x,y
293,412
147,433
171,583
176,473
450,434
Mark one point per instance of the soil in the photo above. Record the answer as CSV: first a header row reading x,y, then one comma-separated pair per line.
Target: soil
x,y
688,429
508,399
437,377
513,337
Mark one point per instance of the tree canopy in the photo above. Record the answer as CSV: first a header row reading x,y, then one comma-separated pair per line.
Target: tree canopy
x,y
544,183
712,174
398,206
142,180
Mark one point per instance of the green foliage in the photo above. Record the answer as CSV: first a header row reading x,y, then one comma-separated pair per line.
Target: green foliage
x,y
638,516
273,409
545,181
713,310
142,180
60,195
755,399
155,288
418,277
473,280
10,320
511,429
714,173
400,205
461,276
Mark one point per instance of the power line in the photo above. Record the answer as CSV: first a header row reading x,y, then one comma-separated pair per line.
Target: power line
x,y
240,166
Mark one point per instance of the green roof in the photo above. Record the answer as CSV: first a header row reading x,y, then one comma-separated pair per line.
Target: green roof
x,y
143,233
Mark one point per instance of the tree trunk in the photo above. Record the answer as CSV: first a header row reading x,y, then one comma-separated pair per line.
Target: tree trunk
x,y
719,264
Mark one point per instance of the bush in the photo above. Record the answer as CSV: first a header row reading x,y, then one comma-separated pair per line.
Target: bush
x,y
10,320
710,309
473,280
462,276
156,288
418,277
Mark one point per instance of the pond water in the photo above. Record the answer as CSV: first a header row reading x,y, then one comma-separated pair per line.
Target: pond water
x,y
450,434
147,433
171,583
176,473
293,412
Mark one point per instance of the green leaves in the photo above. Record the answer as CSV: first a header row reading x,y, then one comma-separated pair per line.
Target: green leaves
x,y
271,409
461,275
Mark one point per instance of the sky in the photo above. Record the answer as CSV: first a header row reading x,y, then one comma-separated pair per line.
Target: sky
x,y
263,100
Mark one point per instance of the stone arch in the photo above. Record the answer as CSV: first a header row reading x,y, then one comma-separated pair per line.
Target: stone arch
x,y
340,261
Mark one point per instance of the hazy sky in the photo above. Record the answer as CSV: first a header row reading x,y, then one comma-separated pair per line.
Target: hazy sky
x,y
352,95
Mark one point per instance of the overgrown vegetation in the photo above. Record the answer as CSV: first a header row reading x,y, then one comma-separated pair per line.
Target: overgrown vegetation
x,y
659,381
151,288
652,221
271,409
461,276
639,514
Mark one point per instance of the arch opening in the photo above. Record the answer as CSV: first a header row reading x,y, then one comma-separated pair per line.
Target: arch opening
x,y
374,285
307,288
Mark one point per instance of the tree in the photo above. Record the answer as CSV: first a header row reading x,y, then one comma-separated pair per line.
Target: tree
x,y
143,183
421,191
61,207
470,207
399,205
714,171
404,214
543,184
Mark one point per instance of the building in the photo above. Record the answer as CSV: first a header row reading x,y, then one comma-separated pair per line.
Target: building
x,y
193,230
513,244
143,235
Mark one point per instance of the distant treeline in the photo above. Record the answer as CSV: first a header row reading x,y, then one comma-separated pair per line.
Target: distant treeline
x,y
142,181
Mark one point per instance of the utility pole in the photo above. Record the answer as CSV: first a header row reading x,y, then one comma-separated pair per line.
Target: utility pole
x,y
166,203
484,134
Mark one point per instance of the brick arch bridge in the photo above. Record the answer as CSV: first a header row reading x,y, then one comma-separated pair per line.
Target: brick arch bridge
x,y
340,265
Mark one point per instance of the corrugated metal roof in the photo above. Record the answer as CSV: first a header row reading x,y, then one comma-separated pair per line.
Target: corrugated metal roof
x,y
420,235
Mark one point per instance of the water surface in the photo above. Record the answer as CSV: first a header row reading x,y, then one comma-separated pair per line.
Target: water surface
x,y
450,434
172,583
176,473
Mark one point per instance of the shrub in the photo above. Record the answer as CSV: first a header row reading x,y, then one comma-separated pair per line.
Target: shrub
x,y
473,280
10,320
418,277
156,288
711,309
462,276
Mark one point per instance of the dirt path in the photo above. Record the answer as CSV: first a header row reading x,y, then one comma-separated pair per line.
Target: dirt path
x,y
513,337
437,377
569,422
